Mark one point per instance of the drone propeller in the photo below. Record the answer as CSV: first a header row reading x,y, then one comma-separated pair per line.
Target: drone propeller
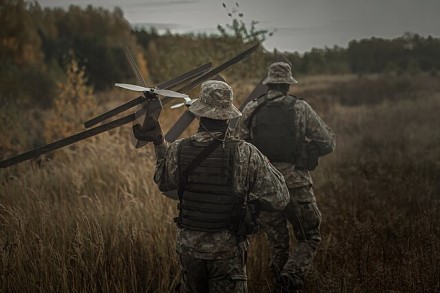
x,y
180,79
187,102
174,132
177,106
165,93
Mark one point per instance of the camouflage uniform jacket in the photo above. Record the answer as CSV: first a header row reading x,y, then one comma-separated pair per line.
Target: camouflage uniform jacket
x,y
308,124
254,175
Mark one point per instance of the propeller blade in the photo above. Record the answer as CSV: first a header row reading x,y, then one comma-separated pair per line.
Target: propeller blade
x,y
181,124
132,87
165,93
168,93
177,105
165,85
134,66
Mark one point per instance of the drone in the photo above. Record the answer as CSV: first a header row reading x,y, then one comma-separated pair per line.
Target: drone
x,y
147,105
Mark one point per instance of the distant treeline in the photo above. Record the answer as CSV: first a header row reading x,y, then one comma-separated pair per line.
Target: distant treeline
x,y
36,44
409,53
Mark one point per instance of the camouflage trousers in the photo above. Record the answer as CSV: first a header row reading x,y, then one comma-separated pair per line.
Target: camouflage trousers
x,y
305,217
220,275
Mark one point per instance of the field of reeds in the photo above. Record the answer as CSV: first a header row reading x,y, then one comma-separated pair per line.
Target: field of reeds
x,y
89,218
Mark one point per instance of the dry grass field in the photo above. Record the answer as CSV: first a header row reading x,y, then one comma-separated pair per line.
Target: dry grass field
x,y
90,218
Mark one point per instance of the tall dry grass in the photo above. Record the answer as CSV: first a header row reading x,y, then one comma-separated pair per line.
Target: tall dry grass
x,y
91,219
380,197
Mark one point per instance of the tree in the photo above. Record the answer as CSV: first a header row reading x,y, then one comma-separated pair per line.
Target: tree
x,y
23,73
73,105
19,39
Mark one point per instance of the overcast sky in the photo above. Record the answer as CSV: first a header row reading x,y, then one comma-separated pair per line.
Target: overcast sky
x,y
300,24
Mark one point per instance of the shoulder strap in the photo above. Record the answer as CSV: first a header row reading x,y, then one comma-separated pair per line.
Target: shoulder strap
x,y
293,100
262,100
197,161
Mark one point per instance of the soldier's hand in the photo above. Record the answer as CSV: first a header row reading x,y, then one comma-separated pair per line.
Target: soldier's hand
x,y
152,132
308,156
312,155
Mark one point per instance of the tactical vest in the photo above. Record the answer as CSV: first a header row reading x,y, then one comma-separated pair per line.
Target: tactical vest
x,y
208,202
272,127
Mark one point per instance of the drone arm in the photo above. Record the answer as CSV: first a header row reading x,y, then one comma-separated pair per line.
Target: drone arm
x,y
181,124
180,79
114,112
66,141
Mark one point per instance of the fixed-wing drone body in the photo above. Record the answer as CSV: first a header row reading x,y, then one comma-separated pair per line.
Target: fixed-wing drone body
x,y
147,105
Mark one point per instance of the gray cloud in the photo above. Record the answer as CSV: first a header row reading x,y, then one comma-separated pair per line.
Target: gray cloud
x,y
300,24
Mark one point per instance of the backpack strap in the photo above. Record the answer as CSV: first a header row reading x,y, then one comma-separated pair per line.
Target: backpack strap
x,y
263,100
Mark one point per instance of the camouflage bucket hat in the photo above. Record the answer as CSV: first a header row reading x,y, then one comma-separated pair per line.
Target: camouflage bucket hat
x,y
215,101
280,72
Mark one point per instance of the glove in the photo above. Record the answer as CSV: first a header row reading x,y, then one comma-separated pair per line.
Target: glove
x,y
312,155
308,156
152,132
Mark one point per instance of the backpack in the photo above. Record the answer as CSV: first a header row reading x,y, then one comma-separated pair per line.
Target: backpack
x,y
272,127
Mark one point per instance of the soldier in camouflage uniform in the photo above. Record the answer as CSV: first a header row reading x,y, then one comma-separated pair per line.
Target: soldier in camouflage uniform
x,y
211,234
293,147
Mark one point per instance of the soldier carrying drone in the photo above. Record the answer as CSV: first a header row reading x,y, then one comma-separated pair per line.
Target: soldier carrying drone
x,y
222,184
